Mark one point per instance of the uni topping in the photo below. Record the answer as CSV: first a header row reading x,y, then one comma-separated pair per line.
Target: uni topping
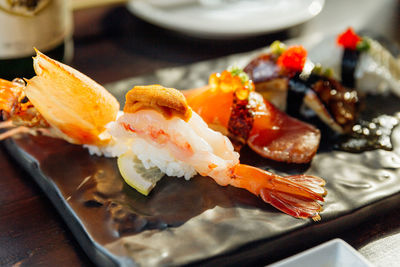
x,y
168,101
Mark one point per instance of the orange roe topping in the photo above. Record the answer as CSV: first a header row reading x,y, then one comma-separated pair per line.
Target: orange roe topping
x,y
348,39
227,82
293,58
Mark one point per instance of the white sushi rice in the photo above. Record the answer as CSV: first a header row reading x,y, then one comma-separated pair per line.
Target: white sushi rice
x,y
377,70
152,156
112,150
369,76
149,155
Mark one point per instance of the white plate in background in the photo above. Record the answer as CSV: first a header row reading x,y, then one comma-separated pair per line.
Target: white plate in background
x,y
230,18
334,253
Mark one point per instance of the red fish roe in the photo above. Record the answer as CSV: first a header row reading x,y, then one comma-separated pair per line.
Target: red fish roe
x,y
348,39
293,58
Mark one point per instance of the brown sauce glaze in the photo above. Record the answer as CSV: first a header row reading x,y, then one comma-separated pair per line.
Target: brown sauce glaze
x,y
343,104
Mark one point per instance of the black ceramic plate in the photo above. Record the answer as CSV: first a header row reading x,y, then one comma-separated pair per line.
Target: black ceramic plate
x,y
197,221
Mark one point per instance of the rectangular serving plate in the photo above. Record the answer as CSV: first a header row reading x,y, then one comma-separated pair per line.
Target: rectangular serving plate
x,y
220,225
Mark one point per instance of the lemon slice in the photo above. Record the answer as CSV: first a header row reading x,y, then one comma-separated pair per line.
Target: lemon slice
x,y
136,175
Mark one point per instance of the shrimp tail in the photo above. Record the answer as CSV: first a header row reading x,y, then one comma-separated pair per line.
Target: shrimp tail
x,y
296,195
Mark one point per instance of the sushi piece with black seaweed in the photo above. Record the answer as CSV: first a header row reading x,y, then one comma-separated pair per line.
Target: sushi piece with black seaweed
x,y
271,71
334,104
367,65
286,78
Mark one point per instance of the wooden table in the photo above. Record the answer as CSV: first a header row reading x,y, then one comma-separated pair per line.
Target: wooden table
x,y
111,44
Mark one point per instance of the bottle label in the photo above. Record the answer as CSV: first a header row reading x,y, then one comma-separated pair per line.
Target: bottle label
x,y
28,24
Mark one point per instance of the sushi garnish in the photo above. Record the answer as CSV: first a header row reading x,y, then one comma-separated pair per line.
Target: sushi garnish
x,y
350,40
293,58
136,175
167,102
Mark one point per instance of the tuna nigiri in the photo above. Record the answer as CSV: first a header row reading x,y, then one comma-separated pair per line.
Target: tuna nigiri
x,y
230,105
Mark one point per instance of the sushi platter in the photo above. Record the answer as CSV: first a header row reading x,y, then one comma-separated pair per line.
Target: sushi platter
x,y
198,221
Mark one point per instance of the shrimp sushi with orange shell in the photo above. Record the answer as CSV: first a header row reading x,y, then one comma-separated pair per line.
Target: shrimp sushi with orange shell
x,y
60,102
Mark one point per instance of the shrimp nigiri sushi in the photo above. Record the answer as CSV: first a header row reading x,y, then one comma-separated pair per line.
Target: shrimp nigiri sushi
x,y
165,133
60,102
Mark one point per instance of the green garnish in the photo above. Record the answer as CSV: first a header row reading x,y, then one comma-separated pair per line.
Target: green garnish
x,y
325,72
277,48
363,45
317,70
236,71
328,72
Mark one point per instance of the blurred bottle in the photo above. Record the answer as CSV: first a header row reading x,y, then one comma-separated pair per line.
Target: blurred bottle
x,y
25,24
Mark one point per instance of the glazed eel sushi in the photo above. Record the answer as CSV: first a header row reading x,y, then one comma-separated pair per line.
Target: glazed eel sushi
x,y
285,77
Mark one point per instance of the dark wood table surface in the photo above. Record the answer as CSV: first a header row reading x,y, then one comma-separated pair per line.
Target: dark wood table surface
x,y
111,44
